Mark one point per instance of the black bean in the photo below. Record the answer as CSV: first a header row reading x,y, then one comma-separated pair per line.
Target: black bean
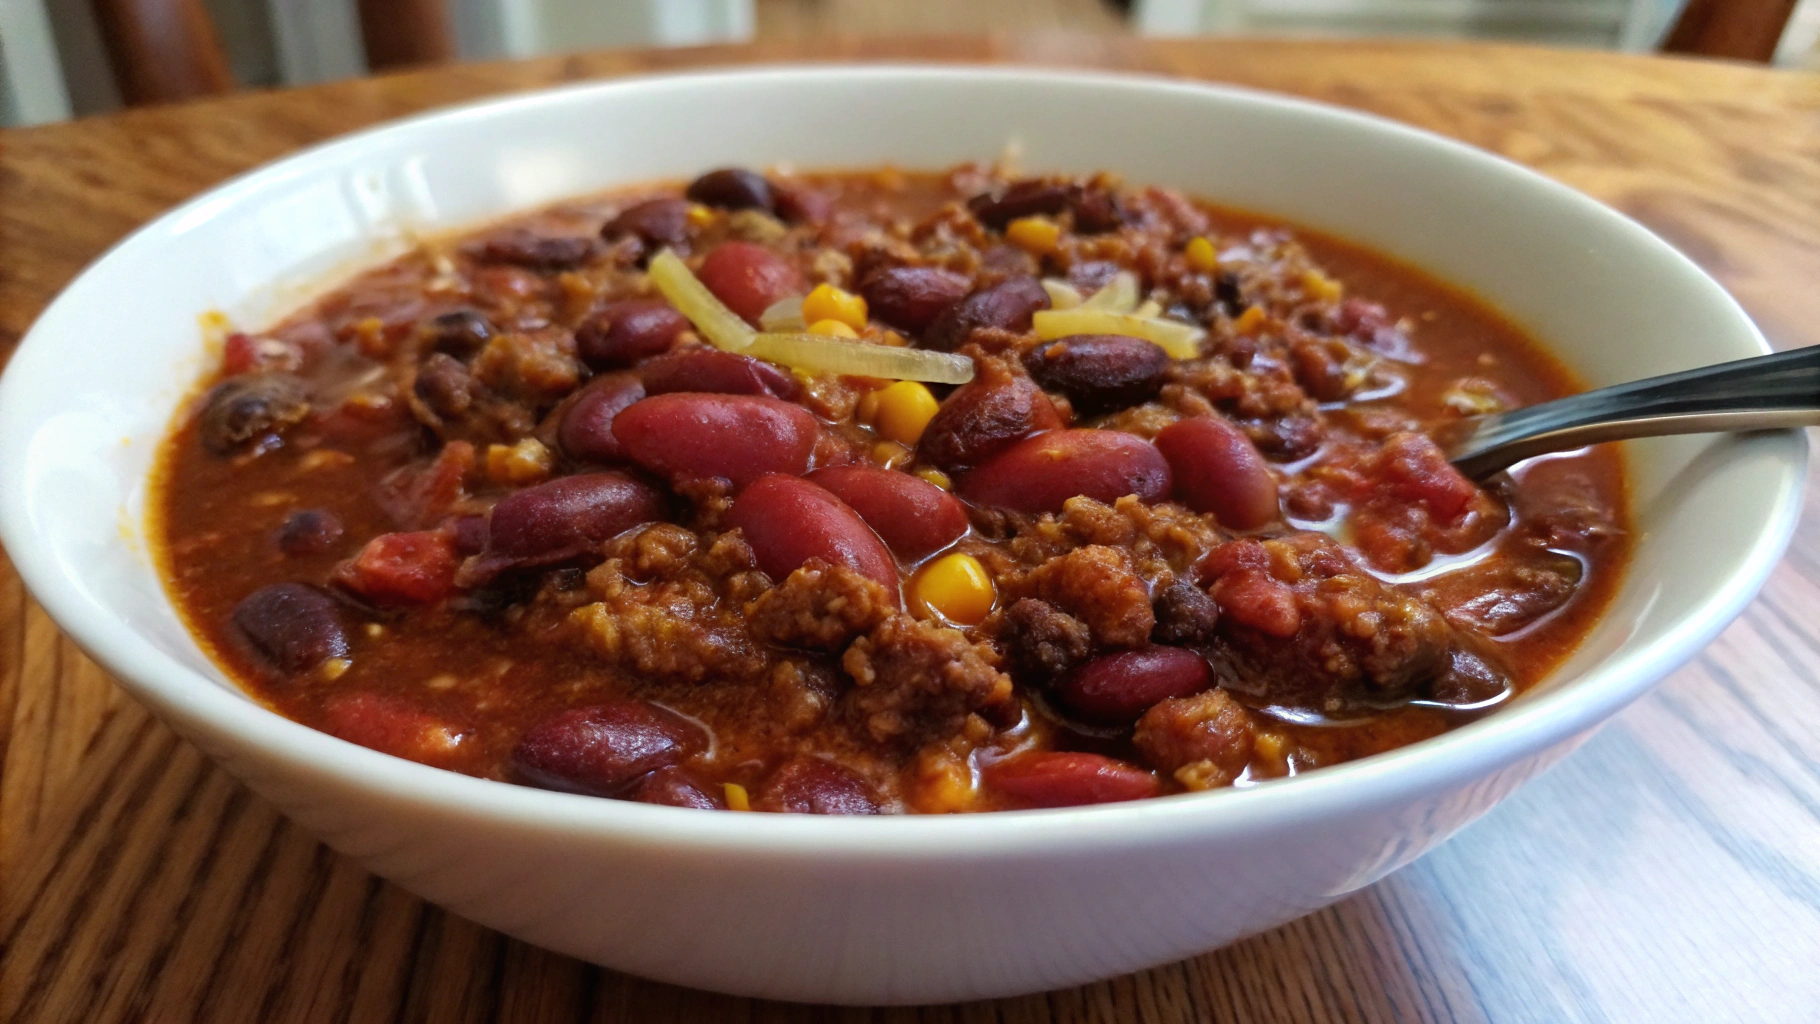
x,y
254,409
292,626
1019,199
309,531
459,334
445,386
732,188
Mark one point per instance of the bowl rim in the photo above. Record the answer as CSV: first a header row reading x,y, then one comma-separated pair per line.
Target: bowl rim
x,y
220,717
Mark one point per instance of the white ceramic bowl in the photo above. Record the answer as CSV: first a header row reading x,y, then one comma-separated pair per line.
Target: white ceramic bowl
x,y
880,910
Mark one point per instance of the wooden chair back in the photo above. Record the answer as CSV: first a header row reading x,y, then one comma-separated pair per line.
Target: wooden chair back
x,y
167,50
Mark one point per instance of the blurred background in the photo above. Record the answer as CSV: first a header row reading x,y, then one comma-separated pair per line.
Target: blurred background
x,y
64,58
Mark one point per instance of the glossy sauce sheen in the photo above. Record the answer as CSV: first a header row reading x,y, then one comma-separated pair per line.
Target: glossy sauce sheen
x,y
499,661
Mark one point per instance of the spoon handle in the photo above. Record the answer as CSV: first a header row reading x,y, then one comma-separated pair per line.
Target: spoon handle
x,y
1761,393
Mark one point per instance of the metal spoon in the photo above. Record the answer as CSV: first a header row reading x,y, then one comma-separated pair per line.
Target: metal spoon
x,y
1762,393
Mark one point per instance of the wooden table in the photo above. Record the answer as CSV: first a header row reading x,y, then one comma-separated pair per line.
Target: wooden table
x,y
1669,871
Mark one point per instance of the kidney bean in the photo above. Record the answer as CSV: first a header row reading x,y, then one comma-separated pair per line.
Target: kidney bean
x,y
309,531
722,373
655,222
445,387
1007,306
560,519
674,787
732,188
402,568
586,430
621,333
801,204
469,533
749,278
688,435
1068,779
1019,199
459,334
811,785
293,626
913,516
789,520
525,248
984,417
392,726
1219,471
1114,689
601,749
243,411
1095,211
1039,474
910,298
1099,372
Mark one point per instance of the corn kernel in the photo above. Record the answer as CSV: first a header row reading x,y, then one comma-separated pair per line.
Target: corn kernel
x,y
1251,320
1035,235
936,477
890,454
866,409
700,216
335,668
737,800
1201,257
526,462
904,411
826,302
957,588
832,329
1321,287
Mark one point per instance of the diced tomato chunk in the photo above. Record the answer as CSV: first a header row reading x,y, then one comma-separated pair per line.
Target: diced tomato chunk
x,y
421,495
403,568
1412,467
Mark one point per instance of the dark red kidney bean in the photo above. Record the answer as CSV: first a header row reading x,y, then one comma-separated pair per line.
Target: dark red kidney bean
x,y
1219,471
984,417
811,785
1099,372
564,517
655,222
788,520
732,188
722,373
1095,211
586,431
1068,779
1028,198
459,334
621,333
749,278
470,534
1115,689
293,626
694,436
445,386
674,787
392,726
309,531
402,568
801,204
1007,306
243,411
910,298
600,749
1039,474
914,517
525,248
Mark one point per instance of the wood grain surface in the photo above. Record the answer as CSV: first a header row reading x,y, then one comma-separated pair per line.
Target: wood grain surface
x,y
1669,871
